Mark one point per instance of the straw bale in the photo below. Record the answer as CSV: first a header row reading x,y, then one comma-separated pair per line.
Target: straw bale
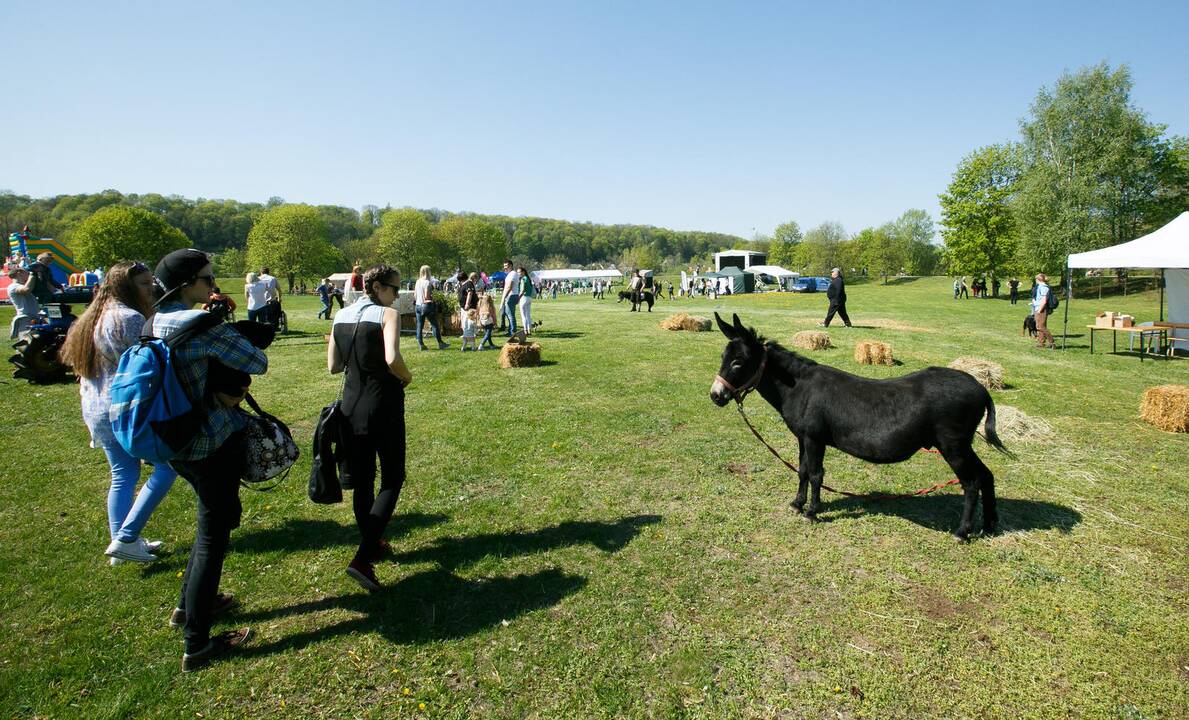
x,y
1015,426
1166,407
684,321
872,352
812,340
988,374
514,355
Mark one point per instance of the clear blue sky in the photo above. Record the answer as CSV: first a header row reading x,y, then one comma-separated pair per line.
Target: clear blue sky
x,y
716,116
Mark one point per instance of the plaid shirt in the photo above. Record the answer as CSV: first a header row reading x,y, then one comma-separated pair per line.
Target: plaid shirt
x,y
222,343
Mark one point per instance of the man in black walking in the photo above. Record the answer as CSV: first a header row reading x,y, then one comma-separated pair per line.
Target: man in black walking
x,y
837,296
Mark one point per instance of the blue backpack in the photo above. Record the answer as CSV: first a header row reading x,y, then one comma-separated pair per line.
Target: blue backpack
x,y
151,415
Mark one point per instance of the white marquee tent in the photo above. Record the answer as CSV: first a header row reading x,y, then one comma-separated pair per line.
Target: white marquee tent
x,y
582,275
1167,250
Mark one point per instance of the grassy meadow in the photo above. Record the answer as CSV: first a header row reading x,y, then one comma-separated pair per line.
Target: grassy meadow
x,y
594,538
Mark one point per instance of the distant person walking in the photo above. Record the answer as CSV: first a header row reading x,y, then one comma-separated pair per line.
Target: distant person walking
x,y
272,315
510,300
423,308
836,294
256,293
325,293
468,295
365,343
965,289
995,287
1013,287
1040,312
112,323
527,292
957,287
486,320
44,283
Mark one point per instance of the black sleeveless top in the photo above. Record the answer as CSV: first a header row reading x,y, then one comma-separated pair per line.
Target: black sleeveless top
x,y
373,398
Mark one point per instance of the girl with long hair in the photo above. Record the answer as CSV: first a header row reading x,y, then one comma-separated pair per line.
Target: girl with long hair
x,y
113,322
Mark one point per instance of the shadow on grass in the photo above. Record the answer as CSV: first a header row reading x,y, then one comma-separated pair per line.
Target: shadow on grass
x,y
943,512
559,334
294,535
436,604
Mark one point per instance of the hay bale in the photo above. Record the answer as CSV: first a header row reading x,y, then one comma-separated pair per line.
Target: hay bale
x,y
684,321
1166,407
812,340
514,355
988,374
674,322
1013,425
872,352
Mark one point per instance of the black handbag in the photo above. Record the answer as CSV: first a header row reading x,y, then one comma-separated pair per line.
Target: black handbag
x,y
268,447
327,481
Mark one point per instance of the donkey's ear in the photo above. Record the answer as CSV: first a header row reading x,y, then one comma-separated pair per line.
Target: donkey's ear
x,y
727,330
740,331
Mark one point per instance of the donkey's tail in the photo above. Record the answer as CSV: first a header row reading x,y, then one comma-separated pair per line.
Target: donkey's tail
x,y
989,427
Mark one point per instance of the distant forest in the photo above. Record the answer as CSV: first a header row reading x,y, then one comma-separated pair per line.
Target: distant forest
x,y
219,225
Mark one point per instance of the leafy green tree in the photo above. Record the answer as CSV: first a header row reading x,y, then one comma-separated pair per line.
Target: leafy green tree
x,y
819,251
783,248
471,244
405,240
914,232
291,240
1094,167
230,263
980,230
881,251
117,232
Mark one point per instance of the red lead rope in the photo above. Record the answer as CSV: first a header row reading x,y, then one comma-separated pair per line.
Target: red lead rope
x,y
873,496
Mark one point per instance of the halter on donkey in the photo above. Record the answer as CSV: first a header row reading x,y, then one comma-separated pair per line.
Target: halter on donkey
x,y
881,421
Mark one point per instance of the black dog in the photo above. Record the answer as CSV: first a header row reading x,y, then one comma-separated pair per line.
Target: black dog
x,y
1029,326
646,296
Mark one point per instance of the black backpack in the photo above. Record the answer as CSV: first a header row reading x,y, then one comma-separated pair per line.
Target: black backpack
x,y
1053,302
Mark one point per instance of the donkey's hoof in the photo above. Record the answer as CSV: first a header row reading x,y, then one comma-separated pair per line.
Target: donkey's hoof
x,y
799,507
961,538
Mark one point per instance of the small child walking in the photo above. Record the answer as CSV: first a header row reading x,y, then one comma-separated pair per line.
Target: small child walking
x,y
486,320
469,323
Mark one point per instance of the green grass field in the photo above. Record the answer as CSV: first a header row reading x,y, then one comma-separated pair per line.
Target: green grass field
x,y
594,538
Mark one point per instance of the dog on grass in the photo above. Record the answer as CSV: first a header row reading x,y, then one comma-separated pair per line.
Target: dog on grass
x,y
1029,326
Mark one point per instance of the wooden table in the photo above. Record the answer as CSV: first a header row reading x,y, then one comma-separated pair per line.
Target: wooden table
x,y
1160,330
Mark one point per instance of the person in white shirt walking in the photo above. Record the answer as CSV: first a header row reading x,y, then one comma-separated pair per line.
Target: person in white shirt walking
x,y
424,308
256,293
1040,312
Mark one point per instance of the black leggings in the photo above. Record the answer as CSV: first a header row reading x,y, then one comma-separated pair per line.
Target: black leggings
x,y
373,511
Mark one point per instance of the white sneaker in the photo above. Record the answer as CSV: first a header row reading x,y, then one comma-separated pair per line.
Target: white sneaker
x,y
113,561
132,551
150,545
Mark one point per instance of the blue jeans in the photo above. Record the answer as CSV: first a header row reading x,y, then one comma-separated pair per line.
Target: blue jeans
x,y
486,337
325,308
126,518
429,312
258,315
510,308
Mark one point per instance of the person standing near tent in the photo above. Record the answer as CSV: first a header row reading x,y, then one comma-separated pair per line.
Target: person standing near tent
x,y
1040,312
837,296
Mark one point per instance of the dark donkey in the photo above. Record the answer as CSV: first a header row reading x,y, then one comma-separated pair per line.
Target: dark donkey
x,y
880,421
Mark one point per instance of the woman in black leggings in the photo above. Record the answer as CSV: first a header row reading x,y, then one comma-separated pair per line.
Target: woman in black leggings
x,y
365,342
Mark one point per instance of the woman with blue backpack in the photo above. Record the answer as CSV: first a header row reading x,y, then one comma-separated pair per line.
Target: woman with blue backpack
x,y
113,322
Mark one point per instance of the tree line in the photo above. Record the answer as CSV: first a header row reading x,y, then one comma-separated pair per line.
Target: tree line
x,y
1089,170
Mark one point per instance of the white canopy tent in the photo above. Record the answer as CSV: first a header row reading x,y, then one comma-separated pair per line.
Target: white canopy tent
x,y
572,274
1167,250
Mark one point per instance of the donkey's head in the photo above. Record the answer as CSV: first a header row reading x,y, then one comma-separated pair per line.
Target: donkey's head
x,y
742,365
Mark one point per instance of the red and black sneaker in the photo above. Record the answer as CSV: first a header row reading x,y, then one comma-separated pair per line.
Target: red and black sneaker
x,y
220,645
383,549
364,574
